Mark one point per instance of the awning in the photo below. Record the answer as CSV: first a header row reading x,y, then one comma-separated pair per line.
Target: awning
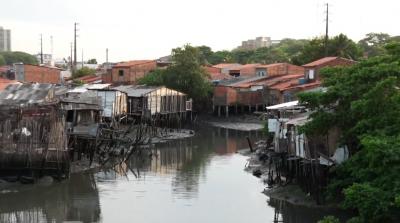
x,y
283,105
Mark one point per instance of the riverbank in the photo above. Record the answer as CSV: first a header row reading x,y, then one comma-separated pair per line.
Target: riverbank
x,y
240,122
291,192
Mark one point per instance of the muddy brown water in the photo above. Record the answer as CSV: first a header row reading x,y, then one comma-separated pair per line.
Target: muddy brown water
x,y
199,179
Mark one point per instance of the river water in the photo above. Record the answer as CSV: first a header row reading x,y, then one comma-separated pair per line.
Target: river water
x,y
199,179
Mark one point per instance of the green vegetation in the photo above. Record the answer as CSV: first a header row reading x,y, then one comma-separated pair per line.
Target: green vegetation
x,y
364,102
84,71
288,50
329,219
185,75
92,61
374,43
2,61
17,57
301,51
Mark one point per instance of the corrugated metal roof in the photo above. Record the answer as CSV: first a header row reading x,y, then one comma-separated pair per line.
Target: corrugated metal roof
x,y
97,86
283,105
136,91
27,94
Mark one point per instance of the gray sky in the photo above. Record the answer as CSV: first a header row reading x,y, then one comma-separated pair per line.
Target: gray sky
x,y
149,29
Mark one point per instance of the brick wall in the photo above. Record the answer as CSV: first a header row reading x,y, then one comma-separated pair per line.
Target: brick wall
x,y
224,95
133,73
41,74
337,62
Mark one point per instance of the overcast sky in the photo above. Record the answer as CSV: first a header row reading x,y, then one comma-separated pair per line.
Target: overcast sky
x,y
149,29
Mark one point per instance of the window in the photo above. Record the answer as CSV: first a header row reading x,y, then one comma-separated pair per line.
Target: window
x,y
121,73
311,74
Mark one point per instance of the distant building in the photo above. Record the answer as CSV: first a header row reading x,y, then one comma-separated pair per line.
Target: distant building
x,y
256,43
47,59
5,39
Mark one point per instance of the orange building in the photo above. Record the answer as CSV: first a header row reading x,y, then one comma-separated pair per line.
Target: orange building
x,y
37,74
130,72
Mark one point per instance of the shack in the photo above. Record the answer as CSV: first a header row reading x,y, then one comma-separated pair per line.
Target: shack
x,y
285,121
113,101
83,114
32,133
148,101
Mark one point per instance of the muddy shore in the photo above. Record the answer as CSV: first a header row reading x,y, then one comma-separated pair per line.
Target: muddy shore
x,y
290,193
240,122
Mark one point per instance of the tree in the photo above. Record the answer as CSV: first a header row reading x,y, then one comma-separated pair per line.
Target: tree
x,y
84,71
92,61
185,75
18,57
339,45
223,56
154,78
374,43
205,53
2,61
363,101
342,46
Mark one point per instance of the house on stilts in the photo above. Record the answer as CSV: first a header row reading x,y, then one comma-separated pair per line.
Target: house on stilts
x,y
33,140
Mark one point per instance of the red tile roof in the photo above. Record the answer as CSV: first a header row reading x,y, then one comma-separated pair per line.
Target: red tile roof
x,y
320,61
215,73
304,86
226,65
270,65
89,79
133,63
270,81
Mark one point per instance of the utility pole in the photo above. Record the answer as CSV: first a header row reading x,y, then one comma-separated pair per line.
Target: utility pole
x,y
51,45
106,56
75,35
41,49
82,59
326,29
70,59
51,51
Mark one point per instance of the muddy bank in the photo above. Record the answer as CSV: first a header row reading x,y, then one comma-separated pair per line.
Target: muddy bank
x,y
288,192
240,122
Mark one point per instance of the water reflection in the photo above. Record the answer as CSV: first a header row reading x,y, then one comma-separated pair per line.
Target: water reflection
x,y
74,199
198,179
286,212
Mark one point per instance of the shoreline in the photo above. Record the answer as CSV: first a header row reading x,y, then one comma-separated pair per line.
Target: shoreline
x,y
242,122
290,193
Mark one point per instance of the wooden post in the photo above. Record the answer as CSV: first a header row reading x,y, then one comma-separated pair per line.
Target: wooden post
x,y
236,109
249,142
227,111
219,111
249,109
